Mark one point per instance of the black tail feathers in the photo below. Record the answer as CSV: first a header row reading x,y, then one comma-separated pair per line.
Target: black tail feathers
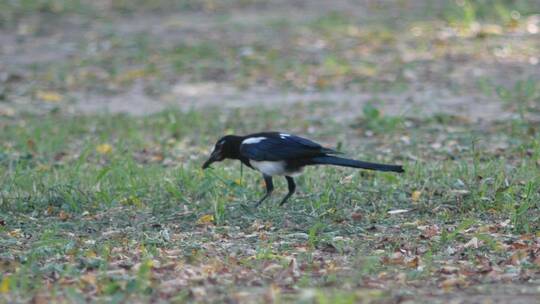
x,y
345,162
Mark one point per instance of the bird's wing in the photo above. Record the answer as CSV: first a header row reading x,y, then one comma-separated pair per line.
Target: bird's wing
x,y
280,146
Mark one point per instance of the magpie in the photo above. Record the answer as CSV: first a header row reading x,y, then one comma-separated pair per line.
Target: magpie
x,y
275,153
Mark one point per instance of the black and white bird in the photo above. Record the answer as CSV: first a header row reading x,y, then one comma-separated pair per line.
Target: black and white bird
x,y
275,153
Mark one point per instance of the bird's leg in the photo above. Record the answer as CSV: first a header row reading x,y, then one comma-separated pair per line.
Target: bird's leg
x,y
292,187
269,189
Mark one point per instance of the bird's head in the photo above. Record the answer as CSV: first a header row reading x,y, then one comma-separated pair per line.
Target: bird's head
x,y
225,147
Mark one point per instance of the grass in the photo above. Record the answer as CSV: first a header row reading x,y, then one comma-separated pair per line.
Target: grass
x,y
76,219
115,208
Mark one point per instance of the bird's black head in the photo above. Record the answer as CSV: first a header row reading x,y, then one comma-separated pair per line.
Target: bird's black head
x,y
226,147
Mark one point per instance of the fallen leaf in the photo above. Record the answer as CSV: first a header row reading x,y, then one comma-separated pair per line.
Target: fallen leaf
x,y
4,285
15,233
63,215
346,180
397,258
356,216
89,278
519,245
8,112
49,96
205,219
272,294
452,282
473,243
272,268
131,75
293,268
415,196
398,211
31,144
429,232
104,149
448,269
413,262
518,257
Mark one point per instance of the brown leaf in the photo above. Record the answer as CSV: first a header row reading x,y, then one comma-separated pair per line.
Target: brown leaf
x,y
40,298
272,268
518,257
31,144
397,258
413,262
272,294
59,156
453,282
448,269
519,245
63,215
429,231
89,278
356,216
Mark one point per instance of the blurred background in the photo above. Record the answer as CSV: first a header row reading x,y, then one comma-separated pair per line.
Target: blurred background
x,y
108,109
476,58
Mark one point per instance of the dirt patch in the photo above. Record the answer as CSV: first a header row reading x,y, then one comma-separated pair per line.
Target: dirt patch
x,y
416,102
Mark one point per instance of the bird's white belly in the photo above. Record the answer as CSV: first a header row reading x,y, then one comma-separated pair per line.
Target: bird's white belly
x,y
269,167
273,168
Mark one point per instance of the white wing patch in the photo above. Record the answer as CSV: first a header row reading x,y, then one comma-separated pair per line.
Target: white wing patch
x,y
284,135
253,140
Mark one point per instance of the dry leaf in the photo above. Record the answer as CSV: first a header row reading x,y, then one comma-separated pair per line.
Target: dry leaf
x,y
89,278
4,285
205,219
346,180
398,211
518,257
429,231
8,112
473,243
63,215
272,294
519,245
293,268
15,233
449,269
272,268
413,262
396,258
415,196
104,149
49,96
356,216
452,282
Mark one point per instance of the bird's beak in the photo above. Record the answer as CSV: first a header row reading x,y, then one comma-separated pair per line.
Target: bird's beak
x,y
215,156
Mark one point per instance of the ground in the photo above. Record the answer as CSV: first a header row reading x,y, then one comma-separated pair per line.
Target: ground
x,y
109,108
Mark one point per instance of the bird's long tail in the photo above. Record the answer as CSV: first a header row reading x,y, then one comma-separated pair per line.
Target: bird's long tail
x,y
345,162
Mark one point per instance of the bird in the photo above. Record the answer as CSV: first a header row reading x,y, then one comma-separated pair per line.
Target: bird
x,y
283,154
